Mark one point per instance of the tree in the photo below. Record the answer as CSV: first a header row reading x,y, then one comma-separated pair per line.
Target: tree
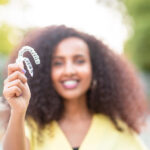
x,y
5,42
137,48
9,37
2,2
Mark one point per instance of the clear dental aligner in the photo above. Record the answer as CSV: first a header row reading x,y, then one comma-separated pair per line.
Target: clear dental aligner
x,y
26,60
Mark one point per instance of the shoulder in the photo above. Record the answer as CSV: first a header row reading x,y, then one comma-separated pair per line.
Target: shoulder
x,y
32,130
126,139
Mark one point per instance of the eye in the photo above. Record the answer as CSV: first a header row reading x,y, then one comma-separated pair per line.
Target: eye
x,y
57,63
80,61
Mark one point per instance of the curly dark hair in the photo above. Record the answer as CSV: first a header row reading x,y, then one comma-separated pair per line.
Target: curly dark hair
x,y
117,94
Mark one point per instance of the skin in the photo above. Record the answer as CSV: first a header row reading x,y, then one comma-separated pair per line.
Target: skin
x,y
16,92
71,60
76,116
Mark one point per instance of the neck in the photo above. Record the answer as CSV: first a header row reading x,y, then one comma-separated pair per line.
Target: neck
x,y
76,109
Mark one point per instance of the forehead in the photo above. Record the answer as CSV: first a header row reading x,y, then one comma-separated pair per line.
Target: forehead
x,y
72,46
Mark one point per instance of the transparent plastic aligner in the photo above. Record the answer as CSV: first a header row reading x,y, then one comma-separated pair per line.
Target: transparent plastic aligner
x,y
26,60
29,66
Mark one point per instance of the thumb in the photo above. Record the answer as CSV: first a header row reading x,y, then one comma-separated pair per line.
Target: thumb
x,y
21,65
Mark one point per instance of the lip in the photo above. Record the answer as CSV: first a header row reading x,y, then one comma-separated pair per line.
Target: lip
x,y
70,86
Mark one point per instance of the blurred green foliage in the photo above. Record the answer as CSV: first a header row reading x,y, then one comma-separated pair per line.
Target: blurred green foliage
x,y
137,48
2,2
3,61
9,37
5,42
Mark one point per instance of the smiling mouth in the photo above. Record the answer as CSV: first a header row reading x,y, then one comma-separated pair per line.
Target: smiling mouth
x,y
70,84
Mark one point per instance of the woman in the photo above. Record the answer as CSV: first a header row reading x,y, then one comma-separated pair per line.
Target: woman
x,y
82,96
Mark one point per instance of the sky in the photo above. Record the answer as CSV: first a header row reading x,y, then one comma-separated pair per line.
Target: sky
x,y
106,23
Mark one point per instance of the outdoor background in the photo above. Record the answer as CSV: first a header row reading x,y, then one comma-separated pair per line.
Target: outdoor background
x,y
122,24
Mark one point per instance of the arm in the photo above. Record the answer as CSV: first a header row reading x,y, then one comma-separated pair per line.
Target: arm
x,y
14,137
17,94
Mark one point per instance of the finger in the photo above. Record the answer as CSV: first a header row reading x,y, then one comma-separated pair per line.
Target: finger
x,y
21,65
17,75
12,92
17,83
5,81
14,67
15,91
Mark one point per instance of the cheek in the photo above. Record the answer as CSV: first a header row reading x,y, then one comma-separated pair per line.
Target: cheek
x,y
86,73
55,74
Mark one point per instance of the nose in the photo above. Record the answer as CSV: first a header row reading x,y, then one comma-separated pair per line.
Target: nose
x,y
69,69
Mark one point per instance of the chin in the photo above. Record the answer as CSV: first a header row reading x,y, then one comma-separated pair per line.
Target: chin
x,y
72,96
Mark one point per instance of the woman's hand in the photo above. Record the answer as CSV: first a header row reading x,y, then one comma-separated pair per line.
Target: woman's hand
x,y
16,90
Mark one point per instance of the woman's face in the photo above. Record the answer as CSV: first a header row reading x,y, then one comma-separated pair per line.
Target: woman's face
x,y
71,68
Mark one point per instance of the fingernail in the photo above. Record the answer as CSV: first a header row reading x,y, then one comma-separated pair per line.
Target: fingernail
x,y
24,71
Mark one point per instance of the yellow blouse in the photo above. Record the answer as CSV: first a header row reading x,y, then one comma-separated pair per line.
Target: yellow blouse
x,y
102,135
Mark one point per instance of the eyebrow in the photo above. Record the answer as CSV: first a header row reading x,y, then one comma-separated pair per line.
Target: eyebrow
x,y
57,57
79,55
61,57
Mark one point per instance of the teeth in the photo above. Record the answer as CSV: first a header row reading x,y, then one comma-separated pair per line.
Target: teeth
x,y
70,82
